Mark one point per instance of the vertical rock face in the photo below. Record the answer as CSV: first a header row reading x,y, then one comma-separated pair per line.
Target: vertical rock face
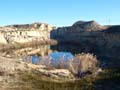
x,y
79,32
42,31
80,28
25,33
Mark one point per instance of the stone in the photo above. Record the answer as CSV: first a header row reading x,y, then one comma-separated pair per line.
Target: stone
x,y
25,33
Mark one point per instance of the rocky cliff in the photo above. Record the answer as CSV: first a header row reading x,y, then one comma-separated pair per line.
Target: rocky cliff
x,y
25,33
103,41
90,32
79,32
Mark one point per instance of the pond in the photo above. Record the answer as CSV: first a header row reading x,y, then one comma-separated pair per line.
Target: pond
x,y
48,54
54,58
65,52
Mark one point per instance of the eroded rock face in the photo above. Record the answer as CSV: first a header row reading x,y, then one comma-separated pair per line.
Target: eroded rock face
x,y
87,32
25,33
80,28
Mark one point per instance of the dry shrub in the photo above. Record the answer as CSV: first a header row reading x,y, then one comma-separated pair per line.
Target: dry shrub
x,y
60,63
83,63
78,65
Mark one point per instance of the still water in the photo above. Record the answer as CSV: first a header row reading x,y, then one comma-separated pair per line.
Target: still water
x,y
64,52
46,54
54,58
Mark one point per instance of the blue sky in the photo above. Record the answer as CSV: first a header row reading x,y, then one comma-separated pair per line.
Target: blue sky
x,y
59,12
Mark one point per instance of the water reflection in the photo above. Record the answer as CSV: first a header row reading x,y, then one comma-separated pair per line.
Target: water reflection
x,y
53,59
73,48
41,50
45,50
32,53
49,54
58,55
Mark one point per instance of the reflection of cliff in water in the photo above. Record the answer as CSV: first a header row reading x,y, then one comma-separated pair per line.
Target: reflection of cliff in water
x,y
73,48
105,56
41,50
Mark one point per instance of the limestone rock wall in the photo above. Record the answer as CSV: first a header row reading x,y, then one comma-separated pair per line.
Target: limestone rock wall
x,y
25,33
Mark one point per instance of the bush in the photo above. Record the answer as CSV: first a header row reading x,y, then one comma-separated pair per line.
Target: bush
x,y
80,64
83,63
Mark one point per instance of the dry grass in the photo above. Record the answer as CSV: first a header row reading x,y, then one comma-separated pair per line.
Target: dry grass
x,y
78,65
31,81
107,80
83,63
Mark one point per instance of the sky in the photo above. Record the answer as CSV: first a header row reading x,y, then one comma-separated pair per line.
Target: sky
x,y
59,12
